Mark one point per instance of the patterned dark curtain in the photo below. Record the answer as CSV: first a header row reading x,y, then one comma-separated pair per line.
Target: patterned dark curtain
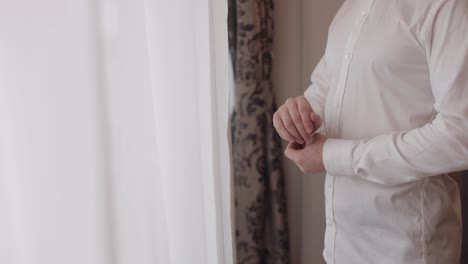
x,y
261,231
464,203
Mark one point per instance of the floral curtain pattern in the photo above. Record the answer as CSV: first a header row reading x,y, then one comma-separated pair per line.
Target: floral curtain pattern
x,y
261,233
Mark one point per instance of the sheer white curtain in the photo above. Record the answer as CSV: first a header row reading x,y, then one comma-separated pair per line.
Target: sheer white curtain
x,y
113,132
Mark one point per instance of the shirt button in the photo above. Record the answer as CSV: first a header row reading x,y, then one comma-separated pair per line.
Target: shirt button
x,y
347,57
329,223
337,104
363,13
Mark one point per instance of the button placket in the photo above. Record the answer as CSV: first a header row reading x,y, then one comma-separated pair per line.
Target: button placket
x,y
348,55
338,98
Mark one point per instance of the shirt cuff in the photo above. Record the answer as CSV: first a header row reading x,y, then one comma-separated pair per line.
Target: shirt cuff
x,y
337,157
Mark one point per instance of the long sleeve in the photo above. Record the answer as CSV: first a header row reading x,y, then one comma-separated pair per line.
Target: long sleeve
x,y
317,92
438,147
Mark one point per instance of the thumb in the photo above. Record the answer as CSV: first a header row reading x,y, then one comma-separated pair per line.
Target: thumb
x,y
316,119
291,150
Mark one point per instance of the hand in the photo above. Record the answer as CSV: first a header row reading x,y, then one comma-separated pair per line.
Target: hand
x,y
295,120
308,157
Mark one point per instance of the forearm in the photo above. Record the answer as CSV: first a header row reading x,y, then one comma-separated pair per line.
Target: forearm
x,y
436,148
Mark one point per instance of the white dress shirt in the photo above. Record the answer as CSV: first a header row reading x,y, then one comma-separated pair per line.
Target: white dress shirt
x,y
392,89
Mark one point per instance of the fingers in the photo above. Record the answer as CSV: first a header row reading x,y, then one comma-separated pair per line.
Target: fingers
x,y
299,109
289,152
290,126
305,110
295,121
297,146
293,152
281,129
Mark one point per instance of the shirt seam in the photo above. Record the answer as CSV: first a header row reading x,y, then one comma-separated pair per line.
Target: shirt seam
x,y
334,222
423,226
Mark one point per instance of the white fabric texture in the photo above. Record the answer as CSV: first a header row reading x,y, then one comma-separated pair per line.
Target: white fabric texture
x,y
114,131
392,87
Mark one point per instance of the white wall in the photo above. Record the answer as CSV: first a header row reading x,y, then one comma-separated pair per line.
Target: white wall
x,y
300,38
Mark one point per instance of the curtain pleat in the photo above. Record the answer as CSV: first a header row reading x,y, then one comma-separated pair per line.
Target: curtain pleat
x,y
261,232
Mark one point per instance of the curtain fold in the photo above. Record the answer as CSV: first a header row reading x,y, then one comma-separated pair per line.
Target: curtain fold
x,y
113,132
261,230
